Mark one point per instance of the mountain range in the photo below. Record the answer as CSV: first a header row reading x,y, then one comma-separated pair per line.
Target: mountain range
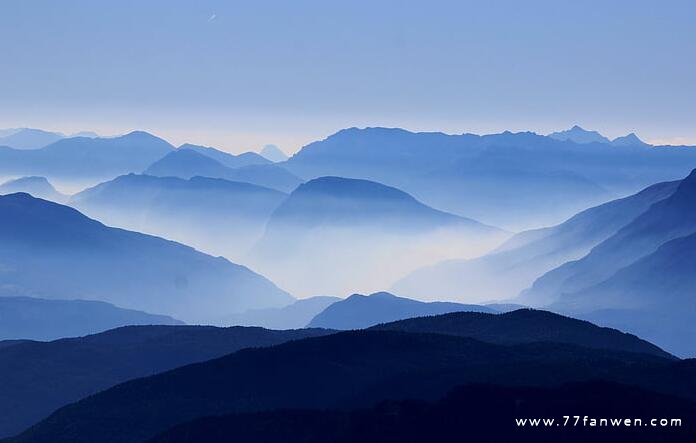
x,y
333,235
53,251
576,134
82,159
217,216
512,180
188,163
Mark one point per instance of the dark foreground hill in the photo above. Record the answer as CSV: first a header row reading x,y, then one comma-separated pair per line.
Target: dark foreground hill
x,y
478,413
525,326
345,370
38,377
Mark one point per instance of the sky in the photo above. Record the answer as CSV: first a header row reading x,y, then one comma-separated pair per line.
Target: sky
x,y
241,74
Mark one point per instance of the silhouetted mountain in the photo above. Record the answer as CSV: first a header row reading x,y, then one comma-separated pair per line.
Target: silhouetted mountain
x,y
345,370
227,159
361,311
28,138
295,315
273,153
86,158
628,140
187,163
53,251
481,413
213,215
40,319
515,265
525,326
576,134
39,377
665,220
38,187
336,235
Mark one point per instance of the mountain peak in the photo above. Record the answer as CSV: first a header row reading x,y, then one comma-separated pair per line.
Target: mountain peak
x,y
273,153
579,135
628,140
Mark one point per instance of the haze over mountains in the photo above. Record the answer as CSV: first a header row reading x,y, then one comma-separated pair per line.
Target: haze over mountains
x,y
333,234
38,187
363,211
528,255
53,251
187,163
514,181
217,216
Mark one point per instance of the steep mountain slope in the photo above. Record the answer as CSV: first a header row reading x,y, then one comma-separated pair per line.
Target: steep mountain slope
x,y
40,377
336,235
295,315
360,311
52,251
187,163
515,265
38,187
344,370
40,319
488,413
213,215
653,297
227,159
515,181
665,220
525,326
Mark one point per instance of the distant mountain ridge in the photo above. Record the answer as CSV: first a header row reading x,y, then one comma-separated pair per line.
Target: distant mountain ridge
x,y
40,319
576,134
188,163
227,159
214,215
38,187
360,311
85,157
512,180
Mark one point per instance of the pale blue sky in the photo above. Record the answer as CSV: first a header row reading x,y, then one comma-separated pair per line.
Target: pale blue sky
x,y
241,74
